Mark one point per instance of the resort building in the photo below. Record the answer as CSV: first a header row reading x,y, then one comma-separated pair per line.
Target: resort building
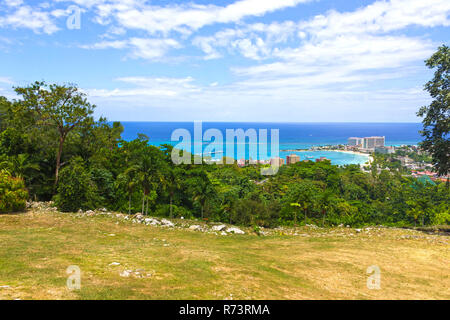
x,y
277,161
355,142
322,159
367,143
292,158
372,142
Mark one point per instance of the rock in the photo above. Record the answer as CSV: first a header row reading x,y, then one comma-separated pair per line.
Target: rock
x,y
235,230
358,230
182,218
5,287
151,221
103,210
139,216
167,223
223,233
220,227
195,227
341,225
126,273
114,264
90,213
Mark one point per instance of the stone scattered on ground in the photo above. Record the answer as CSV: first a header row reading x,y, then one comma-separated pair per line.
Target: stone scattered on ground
x,y
114,264
138,273
309,230
235,230
220,227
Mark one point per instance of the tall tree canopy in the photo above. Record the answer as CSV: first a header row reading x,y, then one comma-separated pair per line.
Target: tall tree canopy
x,y
62,107
436,121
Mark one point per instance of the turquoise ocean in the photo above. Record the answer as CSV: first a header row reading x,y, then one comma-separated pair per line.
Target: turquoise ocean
x,y
291,136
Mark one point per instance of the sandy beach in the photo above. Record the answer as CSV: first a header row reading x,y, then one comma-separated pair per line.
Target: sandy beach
x,y
368,156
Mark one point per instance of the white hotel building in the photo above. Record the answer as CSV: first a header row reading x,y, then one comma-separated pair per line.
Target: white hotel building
x,y
368,143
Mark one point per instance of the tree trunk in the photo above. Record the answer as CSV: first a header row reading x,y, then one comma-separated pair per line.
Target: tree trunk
x,y
202,211
58,158
295,217
143,203
146,209
129,204
323,218
171,215
305,215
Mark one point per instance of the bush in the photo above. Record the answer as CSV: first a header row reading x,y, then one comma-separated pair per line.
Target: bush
x,y
76,189
13,195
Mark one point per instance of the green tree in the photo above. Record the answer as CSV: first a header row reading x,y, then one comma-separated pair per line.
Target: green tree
x,y
61,107
13,195
76,189
19,166
436,121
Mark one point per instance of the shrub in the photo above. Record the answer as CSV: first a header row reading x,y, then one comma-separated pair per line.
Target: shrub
x,y
13,195
76,190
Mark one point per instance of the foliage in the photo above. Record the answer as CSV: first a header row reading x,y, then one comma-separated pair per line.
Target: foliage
x,y
436,121
99,169
76,188
13,195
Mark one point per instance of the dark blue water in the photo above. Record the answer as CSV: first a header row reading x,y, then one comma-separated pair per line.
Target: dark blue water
x,y
291,135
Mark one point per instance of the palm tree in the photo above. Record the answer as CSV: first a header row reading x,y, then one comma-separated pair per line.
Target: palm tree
x,y
146,173
19,166
171,184
295,204
130,180
202,191
325,203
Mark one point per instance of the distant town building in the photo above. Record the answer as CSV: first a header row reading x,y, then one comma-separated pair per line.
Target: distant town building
x,y
355,142
277,161
292,158
322,159
241,162
384,150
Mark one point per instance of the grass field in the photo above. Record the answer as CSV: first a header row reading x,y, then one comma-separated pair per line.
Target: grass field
x,y
38,246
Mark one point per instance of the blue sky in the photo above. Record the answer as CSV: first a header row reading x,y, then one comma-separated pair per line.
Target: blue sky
x,y
241,60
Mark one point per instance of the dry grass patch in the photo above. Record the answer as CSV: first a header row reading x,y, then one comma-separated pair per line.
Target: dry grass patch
x,y
38,246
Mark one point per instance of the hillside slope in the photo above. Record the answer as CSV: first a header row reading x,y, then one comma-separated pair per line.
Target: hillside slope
x,y
119,259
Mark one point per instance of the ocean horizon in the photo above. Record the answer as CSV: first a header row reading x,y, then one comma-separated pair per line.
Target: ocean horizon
x,y
292,135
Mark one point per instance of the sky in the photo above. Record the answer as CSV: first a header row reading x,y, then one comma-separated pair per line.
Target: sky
x,y
236,60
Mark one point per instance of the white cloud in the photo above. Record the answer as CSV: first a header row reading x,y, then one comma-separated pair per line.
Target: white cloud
x,y
380,17
6,80
149,86
29,18
144,48
182,18
13,3
255,41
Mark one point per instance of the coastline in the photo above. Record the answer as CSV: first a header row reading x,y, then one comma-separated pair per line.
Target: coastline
x,y
368,157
